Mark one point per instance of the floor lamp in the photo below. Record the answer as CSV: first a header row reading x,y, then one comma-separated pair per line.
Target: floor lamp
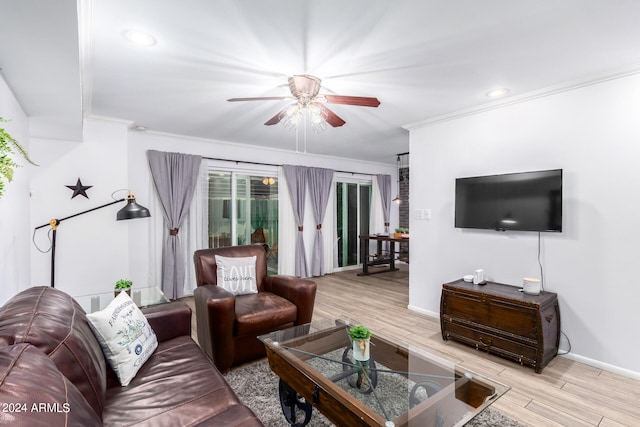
x,y
131,211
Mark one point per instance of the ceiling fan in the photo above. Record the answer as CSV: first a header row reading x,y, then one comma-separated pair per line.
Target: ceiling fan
x,y
305,90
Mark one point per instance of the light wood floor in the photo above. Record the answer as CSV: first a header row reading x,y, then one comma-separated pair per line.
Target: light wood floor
x,y
566,393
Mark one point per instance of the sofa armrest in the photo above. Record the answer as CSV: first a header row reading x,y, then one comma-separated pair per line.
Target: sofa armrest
x,y
169,320
301,292
215,319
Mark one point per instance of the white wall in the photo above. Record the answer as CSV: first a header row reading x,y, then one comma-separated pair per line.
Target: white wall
x,y
15,235
593,134
93,250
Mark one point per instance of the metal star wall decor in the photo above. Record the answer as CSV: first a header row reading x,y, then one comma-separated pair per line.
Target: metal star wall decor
x,y
79,189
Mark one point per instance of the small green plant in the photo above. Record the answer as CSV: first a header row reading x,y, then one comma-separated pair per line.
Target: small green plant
x,y
123,284
7,164
402,230
359,332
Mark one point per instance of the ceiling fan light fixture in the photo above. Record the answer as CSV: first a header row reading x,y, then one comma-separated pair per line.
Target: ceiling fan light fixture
x,y
318,116
298,112
290,117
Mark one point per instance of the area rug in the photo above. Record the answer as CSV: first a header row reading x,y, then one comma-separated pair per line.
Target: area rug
x,y
257,387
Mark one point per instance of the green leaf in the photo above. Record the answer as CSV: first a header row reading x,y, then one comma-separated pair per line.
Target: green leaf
x,y
7,164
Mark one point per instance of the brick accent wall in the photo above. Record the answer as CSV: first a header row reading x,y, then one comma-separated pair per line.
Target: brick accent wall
x,y
404,196
403,248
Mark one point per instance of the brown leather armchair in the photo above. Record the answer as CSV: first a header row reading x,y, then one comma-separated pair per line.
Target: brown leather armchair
x,y
228,325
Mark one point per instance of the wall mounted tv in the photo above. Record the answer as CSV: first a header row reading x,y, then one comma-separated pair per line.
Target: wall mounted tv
x,y
526,201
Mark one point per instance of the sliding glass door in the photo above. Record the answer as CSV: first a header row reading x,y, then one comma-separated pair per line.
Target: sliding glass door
x,y
243,209
353,208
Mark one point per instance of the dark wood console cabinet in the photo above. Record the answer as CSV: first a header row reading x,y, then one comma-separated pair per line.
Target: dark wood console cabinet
x,y
500,319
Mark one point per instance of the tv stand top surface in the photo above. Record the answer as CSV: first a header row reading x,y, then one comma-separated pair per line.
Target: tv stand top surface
x,y
502,290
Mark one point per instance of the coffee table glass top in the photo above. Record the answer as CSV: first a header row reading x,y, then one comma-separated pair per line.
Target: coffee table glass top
x,y
142,297
400,384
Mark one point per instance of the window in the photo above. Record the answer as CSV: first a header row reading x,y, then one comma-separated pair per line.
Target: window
x,y
243,209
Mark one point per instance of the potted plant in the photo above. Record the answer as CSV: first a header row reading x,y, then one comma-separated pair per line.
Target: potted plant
x,y
7,164
360,338
123,285
401,233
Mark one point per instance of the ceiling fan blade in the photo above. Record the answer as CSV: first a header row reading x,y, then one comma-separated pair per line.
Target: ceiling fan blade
x,y
332,118
276,119
352,100
260,98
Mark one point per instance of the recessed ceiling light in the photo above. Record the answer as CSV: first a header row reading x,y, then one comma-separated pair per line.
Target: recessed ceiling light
x,y
138,128
496,93
140,37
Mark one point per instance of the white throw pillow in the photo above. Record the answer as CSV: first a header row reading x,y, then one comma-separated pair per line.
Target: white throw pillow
x,y
237,274
125,336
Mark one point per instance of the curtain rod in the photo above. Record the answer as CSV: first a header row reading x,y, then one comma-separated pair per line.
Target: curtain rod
x,y
272,164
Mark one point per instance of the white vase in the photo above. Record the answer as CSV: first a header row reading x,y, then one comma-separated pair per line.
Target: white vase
x,y
361,350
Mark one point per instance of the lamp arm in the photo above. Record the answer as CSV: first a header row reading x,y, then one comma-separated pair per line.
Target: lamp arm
x,y
54,226
133,211
54,222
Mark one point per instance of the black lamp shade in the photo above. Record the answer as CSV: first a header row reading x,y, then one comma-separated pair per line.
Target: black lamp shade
x,y
132,210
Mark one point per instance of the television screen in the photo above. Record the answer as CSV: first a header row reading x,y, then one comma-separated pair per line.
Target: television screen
x,y
527,201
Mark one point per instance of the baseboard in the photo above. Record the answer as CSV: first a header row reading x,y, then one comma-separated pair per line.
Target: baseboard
x,y
423,311
604,366
572,356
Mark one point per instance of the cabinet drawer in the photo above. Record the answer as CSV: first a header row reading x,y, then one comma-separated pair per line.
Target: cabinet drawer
x,y
471,307
513,318
483,340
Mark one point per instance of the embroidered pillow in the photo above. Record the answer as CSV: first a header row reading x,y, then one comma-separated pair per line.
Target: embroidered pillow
x,y
125,336
237,274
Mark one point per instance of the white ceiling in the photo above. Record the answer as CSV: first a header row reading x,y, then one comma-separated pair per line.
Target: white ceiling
x,y
421,59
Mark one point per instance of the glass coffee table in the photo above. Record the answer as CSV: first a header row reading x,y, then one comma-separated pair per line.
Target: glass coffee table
x,y
400,385
142,297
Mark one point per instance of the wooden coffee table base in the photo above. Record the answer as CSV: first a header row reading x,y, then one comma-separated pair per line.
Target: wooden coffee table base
x,y
449,395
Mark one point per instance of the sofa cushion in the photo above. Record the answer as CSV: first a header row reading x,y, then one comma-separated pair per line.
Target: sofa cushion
x,y
262,312
54,323
190,389
35,393
125,336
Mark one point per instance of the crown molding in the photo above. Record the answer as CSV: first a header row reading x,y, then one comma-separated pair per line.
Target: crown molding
x,y
528,96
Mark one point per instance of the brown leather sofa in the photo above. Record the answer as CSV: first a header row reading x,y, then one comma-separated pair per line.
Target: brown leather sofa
x,y
228,325
53,372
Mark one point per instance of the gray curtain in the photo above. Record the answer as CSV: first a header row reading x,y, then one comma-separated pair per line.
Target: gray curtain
x,y
320,187
297,181
174,176
384,183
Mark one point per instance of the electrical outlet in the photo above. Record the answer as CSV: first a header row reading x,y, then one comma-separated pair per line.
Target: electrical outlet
x,y
426,214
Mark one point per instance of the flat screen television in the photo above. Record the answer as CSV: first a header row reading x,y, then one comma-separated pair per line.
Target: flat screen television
x,y
526,201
